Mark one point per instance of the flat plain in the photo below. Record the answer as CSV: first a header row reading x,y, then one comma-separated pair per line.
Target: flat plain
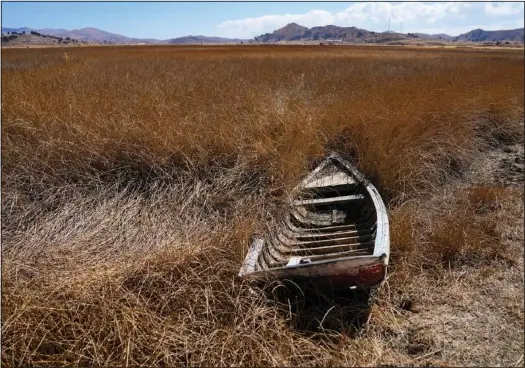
x,y
134,176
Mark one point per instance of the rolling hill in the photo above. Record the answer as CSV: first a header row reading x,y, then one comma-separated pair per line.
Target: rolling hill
x,y
296,32
91,34
436,36
290,32
187,40
480,35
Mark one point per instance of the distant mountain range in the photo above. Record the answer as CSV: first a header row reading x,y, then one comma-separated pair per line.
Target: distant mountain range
x,y
290,32
479,35
296,32
202,39
98,35
437,36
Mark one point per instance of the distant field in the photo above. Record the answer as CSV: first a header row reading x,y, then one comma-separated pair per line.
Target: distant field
x,y
133,177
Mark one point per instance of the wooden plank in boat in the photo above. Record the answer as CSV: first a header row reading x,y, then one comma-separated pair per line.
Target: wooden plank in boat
x,y
329,201
330,241
330,180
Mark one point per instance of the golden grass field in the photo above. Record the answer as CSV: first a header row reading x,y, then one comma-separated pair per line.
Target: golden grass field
x,y
133,177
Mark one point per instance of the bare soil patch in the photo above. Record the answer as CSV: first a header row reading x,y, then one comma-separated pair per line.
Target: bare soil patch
x,y
475,316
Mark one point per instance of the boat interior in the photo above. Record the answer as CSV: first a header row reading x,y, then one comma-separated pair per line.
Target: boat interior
x,y
332,216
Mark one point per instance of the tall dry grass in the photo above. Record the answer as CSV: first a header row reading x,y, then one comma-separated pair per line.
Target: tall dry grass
x,y
134,176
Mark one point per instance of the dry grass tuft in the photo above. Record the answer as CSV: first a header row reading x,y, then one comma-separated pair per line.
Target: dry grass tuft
x,y
459,239
133,178
486,199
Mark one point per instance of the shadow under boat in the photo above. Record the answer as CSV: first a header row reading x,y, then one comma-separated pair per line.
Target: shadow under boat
x,y
329,253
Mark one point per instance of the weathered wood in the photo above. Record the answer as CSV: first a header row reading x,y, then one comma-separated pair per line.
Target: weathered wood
x,y
328,201
337,232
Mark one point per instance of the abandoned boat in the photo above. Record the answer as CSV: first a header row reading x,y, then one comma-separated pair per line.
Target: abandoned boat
x,y
336,233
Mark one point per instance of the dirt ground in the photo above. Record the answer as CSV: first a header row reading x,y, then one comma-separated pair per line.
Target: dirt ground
x,y
475,318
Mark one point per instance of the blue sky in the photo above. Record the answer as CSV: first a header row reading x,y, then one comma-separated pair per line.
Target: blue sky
x,y
164,20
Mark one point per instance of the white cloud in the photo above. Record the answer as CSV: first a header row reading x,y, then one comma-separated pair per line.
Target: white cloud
x,y
503,9
268,23
368,15
403,12
457,30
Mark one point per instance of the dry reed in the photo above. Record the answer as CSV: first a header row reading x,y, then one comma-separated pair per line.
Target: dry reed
x,y
134,176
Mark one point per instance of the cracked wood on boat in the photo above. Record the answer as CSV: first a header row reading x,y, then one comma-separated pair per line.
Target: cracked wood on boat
x,y
336,233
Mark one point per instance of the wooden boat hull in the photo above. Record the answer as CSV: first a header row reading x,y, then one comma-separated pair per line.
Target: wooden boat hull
x,y
337,237
358,273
